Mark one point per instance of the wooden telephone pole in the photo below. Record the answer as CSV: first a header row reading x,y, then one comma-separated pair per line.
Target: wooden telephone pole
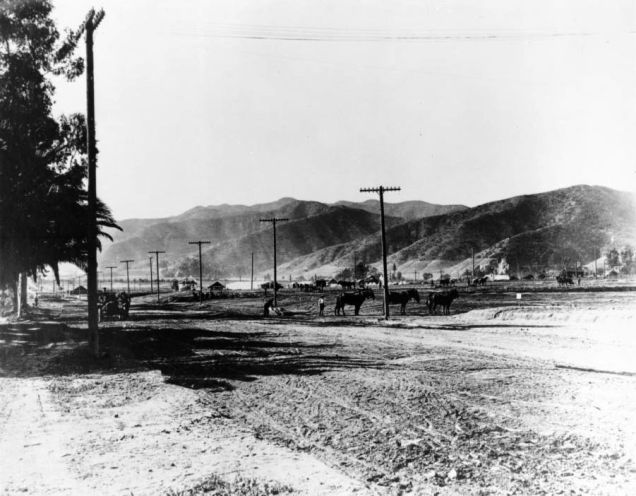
x,y
93,19
200,267
111,276
274,220
156,252
252,276
127,274
150,264
381,190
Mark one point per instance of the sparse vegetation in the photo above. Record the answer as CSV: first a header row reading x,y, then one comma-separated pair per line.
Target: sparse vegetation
x,y
240,486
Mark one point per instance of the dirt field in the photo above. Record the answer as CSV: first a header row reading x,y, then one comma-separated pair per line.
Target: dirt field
x,y
506,396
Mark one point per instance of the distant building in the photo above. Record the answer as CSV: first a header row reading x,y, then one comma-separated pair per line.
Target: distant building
x,y
501,272
187,285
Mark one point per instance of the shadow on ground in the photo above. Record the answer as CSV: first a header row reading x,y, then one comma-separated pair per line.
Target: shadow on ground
x,y
187,356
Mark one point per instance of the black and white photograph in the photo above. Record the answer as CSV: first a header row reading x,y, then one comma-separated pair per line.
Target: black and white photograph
x,y
318,247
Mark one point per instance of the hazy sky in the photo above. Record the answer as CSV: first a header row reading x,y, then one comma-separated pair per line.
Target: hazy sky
x,y
456,101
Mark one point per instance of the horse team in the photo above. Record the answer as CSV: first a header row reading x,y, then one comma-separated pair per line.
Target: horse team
x,y
434,300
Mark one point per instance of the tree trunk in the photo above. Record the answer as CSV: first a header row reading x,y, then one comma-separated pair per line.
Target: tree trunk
x,y
23,291
20,295
19,300
14,297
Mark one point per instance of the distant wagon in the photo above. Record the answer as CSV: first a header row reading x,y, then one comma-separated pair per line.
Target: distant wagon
x,y
111,305
270,285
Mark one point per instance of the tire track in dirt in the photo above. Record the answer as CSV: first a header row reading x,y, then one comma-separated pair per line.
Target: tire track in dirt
x,y
32,442
121,418
470,444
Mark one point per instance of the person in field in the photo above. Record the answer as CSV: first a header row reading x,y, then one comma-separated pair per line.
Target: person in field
x,y
321,306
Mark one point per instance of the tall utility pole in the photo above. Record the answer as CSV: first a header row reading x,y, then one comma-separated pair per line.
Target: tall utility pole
x,y
355,266
156,252
111,276
127,274
472,250
200,267
252,277
91,23
381,190
150,263
274,220
597,254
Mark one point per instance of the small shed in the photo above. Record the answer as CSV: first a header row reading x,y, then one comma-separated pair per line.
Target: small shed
x,y
216,286
79,290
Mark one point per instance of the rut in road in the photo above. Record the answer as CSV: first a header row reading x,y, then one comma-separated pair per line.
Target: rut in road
x,y
33,441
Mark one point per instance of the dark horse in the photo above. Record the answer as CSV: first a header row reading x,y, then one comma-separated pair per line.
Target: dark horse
x,y
356,299
564,280
347,284
402,298
442,299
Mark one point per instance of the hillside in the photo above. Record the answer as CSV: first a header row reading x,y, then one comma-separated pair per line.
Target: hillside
x,y
408,210
213,223
225,224
549,229
295,239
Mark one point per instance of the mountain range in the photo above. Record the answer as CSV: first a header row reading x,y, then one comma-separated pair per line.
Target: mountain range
x,y
575,224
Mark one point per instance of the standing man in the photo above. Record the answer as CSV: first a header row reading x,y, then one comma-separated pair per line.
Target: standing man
x,y
321,306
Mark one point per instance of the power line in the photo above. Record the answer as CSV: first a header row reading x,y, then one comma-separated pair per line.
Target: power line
x,y
274,221
330,34
381,190
200,267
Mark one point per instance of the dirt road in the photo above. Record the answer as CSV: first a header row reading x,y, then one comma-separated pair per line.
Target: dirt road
x,y
512,399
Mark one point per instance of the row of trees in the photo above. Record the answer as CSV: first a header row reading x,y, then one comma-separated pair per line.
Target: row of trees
x,y
43,202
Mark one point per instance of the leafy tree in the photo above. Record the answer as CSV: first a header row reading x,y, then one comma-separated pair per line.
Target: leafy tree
x,y
627,255
43,204
613,258
427,276
344,274
361,270
493,265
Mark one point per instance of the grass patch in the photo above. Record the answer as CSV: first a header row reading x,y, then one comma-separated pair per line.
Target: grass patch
x,y
215,486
